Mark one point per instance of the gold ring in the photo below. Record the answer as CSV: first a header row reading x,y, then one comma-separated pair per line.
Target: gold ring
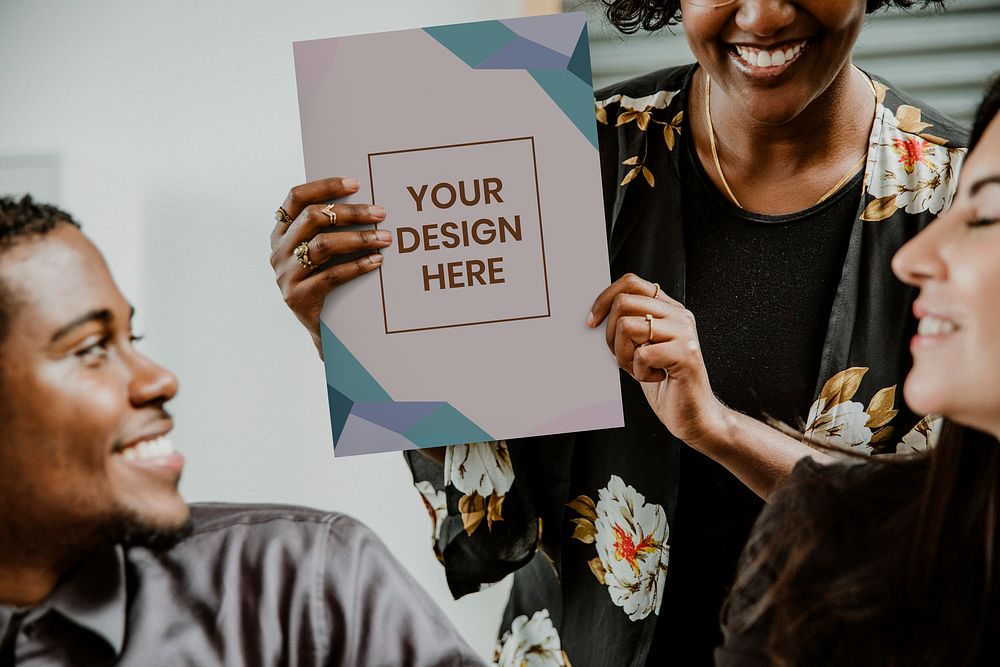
x,y
657,292
330,213
281,215
302,254
649,319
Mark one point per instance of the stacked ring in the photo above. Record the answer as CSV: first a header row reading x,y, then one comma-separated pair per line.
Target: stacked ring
x,y
649,319
281,215
657,292
330,213
302,254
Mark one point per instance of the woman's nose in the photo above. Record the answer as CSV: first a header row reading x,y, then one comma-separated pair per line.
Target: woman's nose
x,y
919,260
765,17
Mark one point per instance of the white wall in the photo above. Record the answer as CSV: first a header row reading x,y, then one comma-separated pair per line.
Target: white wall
x,y
174,127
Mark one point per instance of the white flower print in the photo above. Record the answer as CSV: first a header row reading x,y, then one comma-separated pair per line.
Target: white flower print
x,y
921,437
482,468
483,472
841,425
436,503
631,540
640,111
658,100
908,168
531,643
836,420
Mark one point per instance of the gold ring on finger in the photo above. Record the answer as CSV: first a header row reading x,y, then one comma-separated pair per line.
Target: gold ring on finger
x,y
302,254
330,213
281,215
657,292
649,319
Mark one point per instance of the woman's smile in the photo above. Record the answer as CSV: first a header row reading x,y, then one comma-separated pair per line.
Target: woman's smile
x,y
761,62
933,330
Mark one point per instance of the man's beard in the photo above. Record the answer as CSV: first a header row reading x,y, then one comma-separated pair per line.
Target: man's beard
x,y
130,530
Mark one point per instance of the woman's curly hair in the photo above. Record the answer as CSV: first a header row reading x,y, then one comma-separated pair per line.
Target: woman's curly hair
x,y
630,16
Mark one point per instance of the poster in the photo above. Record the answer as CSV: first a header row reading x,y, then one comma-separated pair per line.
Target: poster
x,y
480,141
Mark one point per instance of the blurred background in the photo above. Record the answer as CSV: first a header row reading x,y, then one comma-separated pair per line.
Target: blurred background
x,y
171,131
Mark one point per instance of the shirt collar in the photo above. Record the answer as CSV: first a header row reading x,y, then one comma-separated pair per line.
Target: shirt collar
x,y
94,596
6,616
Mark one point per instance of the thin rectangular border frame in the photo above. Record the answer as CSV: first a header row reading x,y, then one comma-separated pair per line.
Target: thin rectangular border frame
x,y
541,235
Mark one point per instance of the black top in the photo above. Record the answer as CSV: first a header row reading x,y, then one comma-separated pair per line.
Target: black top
x,y
760,358
740,264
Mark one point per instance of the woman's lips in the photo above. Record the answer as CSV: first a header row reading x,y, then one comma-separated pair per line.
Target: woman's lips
x,y
931,325
767,62
931,330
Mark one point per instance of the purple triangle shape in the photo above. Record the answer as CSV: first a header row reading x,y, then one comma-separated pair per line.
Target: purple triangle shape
x,y
398,417
522,54
559,32
364,437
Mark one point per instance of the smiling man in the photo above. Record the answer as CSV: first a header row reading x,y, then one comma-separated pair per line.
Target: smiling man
x,y
101,560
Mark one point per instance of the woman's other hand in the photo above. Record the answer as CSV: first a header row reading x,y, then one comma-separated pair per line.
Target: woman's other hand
x,y
655,340
305,241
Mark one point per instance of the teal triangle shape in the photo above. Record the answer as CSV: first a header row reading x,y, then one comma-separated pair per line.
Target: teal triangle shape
x,y
579,62
346,374
445,426
573,96
340,410
473,42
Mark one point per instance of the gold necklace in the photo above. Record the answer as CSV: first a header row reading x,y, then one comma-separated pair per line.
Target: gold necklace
x,y
718,166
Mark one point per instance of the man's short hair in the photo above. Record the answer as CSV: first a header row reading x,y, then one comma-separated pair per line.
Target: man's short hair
x,y
20,220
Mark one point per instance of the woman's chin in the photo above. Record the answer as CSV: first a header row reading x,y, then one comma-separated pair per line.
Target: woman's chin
x,y
923,394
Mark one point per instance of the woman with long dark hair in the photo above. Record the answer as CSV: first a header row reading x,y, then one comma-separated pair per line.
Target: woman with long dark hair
x,y
897,561
753,201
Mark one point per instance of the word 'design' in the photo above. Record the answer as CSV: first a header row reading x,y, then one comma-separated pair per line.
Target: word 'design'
x,y
453,234
467,235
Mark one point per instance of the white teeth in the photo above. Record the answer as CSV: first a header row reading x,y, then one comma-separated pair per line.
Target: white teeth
x,y
149,449
764,58
934,326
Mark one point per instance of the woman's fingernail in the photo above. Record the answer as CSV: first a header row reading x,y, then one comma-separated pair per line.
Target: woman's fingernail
x,y
383,235
351,183
376,212
590,320
375,260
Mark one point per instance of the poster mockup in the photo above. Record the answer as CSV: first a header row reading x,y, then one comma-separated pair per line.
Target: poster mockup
x,y
480,141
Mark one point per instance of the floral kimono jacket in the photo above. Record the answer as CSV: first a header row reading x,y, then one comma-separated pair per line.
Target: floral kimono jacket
x,y
584,520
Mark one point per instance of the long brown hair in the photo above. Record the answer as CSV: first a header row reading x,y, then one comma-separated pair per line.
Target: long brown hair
x,y
888,562
894,561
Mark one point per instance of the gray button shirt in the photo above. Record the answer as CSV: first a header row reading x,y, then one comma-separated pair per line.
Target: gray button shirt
x,y
253,585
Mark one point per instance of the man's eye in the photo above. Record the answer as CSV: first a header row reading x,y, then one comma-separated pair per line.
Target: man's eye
x,y
95,352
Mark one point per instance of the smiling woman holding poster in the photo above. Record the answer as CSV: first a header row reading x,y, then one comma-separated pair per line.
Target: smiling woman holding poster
x,y
753,203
